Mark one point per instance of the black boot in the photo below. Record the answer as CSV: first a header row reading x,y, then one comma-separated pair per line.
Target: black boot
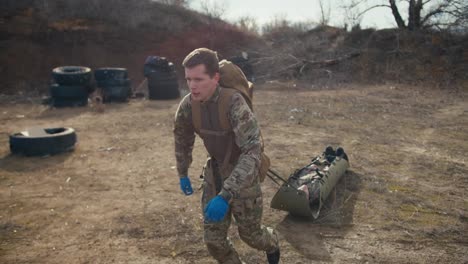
x,y
340,153
329,154
273,258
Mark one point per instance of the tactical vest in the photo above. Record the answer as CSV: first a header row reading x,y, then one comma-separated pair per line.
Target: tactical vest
x,y
214,128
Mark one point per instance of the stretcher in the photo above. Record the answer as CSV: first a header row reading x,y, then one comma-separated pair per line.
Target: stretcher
x,y
306,189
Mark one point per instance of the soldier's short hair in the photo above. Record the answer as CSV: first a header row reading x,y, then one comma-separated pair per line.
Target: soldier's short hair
x,y
203,56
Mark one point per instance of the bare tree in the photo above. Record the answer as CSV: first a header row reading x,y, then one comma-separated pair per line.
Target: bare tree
x,y
423,13
352,14
183,3
324,13
248,24
214,9
278,24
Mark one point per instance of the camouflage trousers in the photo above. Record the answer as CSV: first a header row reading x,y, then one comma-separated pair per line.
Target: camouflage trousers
x,y
247,211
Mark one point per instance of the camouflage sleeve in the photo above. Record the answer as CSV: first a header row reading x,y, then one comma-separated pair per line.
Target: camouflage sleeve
x,y
184,136
247,137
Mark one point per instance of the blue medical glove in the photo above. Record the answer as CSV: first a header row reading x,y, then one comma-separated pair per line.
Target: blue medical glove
x,y
185,185
216,209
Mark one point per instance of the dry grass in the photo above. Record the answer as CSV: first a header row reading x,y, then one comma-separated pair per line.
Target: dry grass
x,y
402,201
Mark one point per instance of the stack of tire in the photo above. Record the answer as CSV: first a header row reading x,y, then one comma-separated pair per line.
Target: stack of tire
x,y
114,83
162,78
71,86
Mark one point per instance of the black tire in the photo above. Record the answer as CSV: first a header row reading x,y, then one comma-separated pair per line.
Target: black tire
x,y
163,94
114,82
163,86
72,75
116,93
164,91
149,69
156,61
68,91
104,74
69,102
171,66
158,76
46,100
56,141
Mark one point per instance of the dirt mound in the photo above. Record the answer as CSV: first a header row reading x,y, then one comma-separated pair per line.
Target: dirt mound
x,y
406,56
35,40
331,55
36,36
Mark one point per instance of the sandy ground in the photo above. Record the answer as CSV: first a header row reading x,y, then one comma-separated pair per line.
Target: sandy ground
x,y
116,199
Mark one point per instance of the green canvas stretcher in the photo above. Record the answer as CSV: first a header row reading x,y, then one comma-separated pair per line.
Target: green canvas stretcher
x,y
289,198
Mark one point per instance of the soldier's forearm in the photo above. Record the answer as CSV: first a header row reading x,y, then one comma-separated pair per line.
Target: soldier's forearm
x,y
184,139
183,157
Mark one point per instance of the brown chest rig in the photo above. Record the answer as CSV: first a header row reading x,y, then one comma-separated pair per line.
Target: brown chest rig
x,y
212,125
211,122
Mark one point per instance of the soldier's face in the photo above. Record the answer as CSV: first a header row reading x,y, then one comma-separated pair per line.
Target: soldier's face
x,y
201,85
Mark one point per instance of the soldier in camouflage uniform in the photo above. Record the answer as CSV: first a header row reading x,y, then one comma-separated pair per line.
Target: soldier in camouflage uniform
x,y
231,184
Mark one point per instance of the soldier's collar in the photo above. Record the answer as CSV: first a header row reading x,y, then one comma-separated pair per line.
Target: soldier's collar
x,y
215,96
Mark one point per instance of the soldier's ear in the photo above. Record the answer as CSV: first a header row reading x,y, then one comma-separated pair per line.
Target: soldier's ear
x,y
216,77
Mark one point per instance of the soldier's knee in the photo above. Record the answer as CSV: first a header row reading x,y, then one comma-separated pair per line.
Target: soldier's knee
x,y
262,239
222,252
251,238
217,250
216,245
213,247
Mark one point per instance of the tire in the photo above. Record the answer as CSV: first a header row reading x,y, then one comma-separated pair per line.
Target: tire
x,y
156,61
164,91
116,93
104,74
159,76
46,100
153,73
69,102
163,94
163,86
114,82
150,69
72,75
54,141
68,91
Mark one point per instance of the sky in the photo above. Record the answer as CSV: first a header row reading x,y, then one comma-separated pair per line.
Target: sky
x,y
296,10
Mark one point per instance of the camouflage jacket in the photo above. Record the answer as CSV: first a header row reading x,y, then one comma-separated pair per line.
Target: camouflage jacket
x,y
247,138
